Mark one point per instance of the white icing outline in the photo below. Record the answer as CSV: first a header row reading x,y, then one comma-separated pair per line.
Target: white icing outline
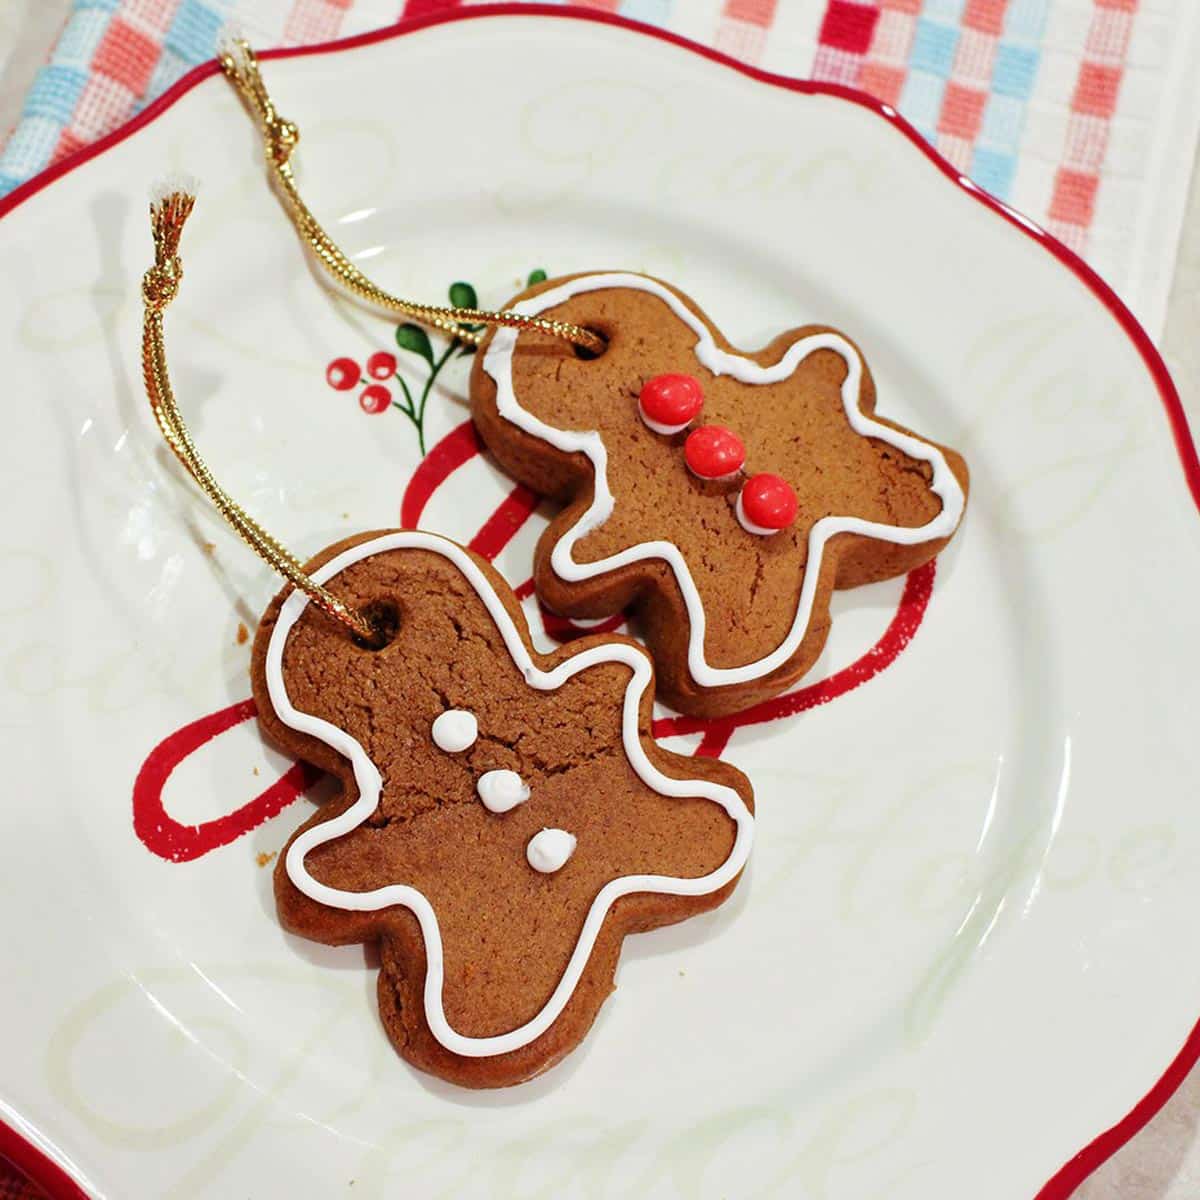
x,y
497,363
370,783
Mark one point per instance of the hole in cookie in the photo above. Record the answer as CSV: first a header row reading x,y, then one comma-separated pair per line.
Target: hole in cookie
x,y
586,354
384,617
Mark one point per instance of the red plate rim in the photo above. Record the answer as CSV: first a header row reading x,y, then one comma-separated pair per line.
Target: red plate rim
x,y
47,1173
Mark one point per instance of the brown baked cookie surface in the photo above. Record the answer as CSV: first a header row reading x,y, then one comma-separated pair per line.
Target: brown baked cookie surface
x,y
498,806
725,611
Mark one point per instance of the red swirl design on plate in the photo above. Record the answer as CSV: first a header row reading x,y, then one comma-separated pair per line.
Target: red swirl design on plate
x,y
918,588
460,445
160,833
33,1158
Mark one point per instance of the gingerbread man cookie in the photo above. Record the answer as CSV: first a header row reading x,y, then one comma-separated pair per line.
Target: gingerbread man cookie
x,y
724,495
506,817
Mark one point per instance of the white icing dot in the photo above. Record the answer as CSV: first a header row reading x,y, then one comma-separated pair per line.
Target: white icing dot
x,y
549,850
501,790
455,730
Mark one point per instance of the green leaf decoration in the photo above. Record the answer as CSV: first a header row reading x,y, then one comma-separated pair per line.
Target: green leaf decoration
x,y
413,338
462,295
538,276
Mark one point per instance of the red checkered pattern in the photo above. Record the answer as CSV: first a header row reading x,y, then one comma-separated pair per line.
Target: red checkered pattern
x,y
127,56
884,68
742,31
868,44
103,97
315,20
123,64
970,80
845,38
1097,86
151,16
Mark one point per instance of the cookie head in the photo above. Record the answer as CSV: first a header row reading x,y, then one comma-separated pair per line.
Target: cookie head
x,y
506,818
723,494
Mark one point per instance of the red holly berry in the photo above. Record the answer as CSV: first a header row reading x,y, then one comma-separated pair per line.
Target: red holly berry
x,y
381,365
343,374
714,452
375,399
767,503
669,403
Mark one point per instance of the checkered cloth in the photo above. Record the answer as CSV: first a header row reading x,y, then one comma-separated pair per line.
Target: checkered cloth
x,y
1081,113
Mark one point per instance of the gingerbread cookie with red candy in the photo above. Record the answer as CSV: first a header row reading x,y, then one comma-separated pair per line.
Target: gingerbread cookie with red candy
x,y
723,495
506,817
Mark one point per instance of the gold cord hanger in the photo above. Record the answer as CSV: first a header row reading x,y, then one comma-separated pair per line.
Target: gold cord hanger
x,y
160,285
280,138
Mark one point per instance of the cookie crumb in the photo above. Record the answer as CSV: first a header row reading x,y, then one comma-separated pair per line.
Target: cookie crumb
x,y
243,634
255,770
262,859
210,548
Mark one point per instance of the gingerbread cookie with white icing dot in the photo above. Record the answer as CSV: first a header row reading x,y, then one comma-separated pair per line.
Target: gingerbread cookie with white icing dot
x,y
722,494
506,817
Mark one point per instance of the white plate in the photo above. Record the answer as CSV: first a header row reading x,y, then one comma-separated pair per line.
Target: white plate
x,y
954,959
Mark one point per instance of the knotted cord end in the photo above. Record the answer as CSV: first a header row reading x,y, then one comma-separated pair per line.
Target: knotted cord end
x,y
171,204
237,59
240,64
280,138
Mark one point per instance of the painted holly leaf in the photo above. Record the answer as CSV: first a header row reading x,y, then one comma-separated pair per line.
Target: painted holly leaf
x,y
414,339
462,295
536,276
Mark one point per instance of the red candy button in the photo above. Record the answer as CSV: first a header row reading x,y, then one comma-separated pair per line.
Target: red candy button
x,y
669,403
767,504
713,452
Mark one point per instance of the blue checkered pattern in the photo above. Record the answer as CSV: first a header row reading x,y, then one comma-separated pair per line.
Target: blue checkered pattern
x,y
45,130
994,163
937,38
53,100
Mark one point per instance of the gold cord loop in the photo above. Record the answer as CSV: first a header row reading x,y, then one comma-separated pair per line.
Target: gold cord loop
x,y
280,138
160,286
